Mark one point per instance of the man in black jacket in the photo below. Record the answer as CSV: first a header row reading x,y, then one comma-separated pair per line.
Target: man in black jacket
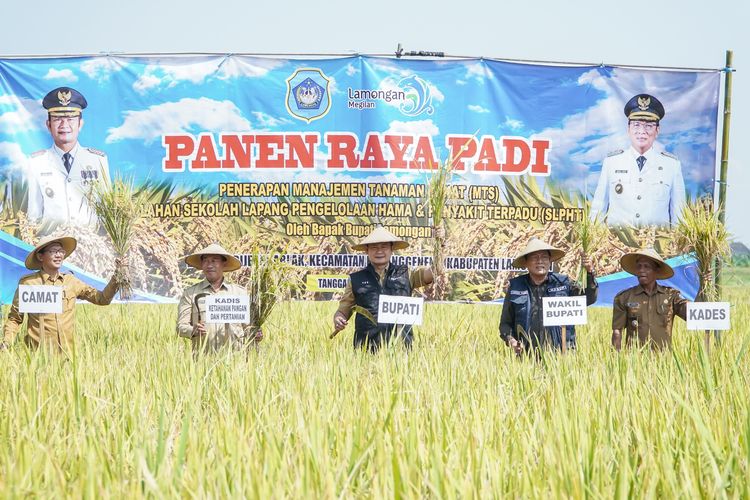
x,y
521,322
380,277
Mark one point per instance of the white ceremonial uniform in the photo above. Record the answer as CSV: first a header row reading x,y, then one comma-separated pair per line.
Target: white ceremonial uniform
x,y
627,196
58,197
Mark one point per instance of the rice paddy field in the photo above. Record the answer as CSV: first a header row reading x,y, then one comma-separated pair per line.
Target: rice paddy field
x,y
133,414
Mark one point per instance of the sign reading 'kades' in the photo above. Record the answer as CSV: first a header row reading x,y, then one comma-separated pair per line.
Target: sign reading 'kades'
x,y
221,309
564,311
708,316
40,299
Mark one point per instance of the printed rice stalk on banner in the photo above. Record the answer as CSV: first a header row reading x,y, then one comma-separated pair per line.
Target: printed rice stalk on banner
x,y
699,231
119,208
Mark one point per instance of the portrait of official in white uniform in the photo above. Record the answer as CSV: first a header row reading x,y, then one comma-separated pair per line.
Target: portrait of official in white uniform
x,y
640,186
60,178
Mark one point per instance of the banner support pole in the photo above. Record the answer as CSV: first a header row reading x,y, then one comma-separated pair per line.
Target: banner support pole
x,y
728,70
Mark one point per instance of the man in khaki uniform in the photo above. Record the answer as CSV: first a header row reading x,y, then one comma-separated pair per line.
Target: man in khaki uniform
x,y
647,310
56,331
214,261
379,277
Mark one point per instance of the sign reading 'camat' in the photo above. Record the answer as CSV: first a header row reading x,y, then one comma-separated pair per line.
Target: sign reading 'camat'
x,y
39,299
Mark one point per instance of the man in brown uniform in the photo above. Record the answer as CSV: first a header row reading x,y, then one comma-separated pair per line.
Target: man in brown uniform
x,y
213,261
647,310
56,331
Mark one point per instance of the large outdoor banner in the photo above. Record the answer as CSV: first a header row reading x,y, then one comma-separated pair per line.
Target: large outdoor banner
x,y
302,158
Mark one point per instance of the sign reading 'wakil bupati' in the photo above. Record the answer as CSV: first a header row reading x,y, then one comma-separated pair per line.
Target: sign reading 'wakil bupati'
x,y
562,311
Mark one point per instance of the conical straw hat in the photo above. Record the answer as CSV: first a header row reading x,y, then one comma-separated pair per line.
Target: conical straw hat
x,y
535,245
663,270
194,260
381,235
67,242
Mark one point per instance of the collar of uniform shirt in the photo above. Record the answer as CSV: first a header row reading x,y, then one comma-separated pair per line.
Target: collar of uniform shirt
x,y
657,289
73,152
46,277
206,284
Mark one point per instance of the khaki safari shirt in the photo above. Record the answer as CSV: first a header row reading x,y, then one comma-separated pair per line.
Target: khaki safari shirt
x,y
50,329
649,318
417,279
234,335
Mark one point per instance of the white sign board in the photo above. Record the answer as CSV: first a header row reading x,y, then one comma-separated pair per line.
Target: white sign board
x,y
222,309
40,299
400,310
708,316
564,311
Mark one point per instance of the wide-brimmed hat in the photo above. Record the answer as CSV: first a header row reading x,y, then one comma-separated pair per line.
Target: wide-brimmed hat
x,y
194,260
535,245
381,235
663,270
67,242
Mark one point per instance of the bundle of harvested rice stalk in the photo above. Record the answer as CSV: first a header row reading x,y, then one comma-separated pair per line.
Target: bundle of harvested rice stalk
x,y
437,195
588,235
269,281
359,310
699,231
119,207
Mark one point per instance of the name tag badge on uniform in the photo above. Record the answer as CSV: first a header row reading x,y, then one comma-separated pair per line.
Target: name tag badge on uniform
x,y
556,289
519,292
618,188
621,171
49,192
45,174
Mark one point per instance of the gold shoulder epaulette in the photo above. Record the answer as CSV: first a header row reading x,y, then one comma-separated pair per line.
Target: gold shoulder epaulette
x,y
96,152
668,155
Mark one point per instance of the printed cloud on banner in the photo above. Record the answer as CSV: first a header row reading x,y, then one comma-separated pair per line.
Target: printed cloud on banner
x,y
475,108
186,115
64,75
164,74
11,156
19,114
101,68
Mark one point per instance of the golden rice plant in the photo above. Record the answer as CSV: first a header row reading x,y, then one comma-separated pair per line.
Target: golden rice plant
x,y
119,208
700,232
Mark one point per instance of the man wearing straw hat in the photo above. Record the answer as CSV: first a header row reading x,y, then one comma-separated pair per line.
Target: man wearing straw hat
x,y
53,330
647,310
213,261
521,321
379,277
